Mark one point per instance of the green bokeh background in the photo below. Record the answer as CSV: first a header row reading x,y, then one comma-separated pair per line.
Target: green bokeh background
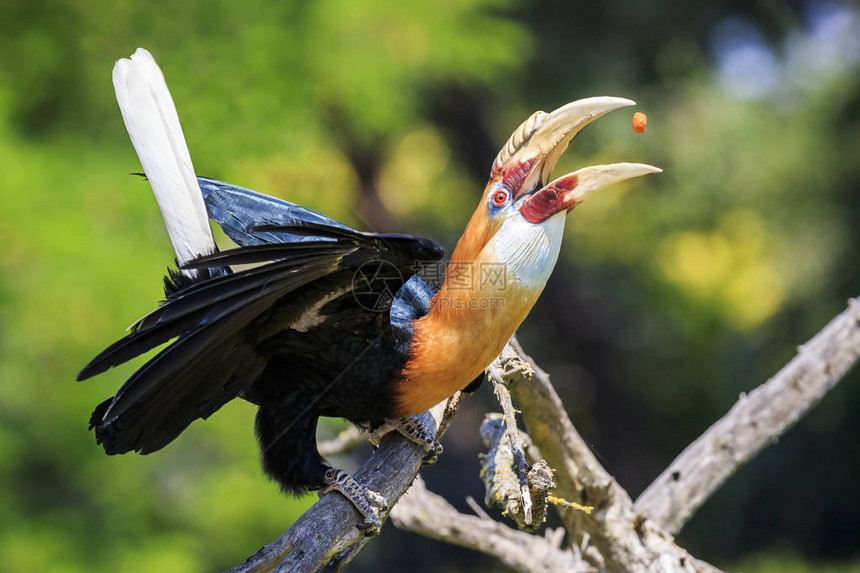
x,y
674,294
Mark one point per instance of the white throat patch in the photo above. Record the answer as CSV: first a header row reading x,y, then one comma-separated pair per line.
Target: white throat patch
x,y
529,250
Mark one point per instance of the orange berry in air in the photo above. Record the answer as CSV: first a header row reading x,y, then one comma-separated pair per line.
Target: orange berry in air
x,y
640,122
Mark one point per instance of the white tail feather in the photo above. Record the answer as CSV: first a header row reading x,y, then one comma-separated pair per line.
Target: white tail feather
x,y
153,125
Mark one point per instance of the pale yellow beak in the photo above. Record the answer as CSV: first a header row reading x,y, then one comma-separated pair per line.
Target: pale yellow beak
x,y
526,162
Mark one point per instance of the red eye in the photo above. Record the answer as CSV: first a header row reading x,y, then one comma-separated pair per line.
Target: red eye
x,y
500,197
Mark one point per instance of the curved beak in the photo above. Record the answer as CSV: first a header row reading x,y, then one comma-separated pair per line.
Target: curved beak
x,y
525,164
566,192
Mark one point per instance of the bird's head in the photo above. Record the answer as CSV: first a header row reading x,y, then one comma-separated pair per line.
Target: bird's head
x,y
520,220
517,228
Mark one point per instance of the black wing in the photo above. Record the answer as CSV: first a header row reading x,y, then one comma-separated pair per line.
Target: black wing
x,y
215,356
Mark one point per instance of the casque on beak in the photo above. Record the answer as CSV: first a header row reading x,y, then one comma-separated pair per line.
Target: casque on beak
x,y
525,164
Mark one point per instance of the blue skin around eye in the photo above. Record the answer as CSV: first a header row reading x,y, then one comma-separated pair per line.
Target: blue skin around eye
x,y
493,208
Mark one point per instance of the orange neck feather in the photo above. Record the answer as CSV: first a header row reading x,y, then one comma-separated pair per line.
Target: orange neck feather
x,y
472,317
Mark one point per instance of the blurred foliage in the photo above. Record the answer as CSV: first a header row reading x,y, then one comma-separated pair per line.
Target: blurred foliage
x,y
675,292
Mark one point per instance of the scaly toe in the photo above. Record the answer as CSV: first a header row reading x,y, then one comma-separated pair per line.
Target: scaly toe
x,y
368,503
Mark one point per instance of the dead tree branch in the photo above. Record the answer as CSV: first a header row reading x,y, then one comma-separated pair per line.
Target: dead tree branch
x,y
613,536
326,535
617,535
508,483
429,514
755,421
343,443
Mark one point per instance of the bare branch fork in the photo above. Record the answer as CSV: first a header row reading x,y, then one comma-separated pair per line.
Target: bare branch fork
x,y
755,421
618,535
326,536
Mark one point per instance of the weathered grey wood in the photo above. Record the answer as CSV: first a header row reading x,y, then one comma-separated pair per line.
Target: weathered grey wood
x,y
617,535
343,443
328,528
500,472
613,536
755,421
429,514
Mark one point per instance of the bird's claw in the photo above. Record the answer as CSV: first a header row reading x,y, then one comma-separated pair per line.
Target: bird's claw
x,y
368,503
414,430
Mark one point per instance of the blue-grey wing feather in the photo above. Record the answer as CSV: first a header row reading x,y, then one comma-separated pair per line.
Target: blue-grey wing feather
x,y
238,211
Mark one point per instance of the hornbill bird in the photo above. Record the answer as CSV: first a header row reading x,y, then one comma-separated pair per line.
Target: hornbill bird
x,y
301,333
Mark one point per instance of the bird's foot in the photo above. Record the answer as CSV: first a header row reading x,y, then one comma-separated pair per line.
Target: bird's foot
x,y
415,430
367,502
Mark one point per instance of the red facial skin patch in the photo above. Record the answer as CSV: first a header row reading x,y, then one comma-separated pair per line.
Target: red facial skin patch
x,y
550,200
515,175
